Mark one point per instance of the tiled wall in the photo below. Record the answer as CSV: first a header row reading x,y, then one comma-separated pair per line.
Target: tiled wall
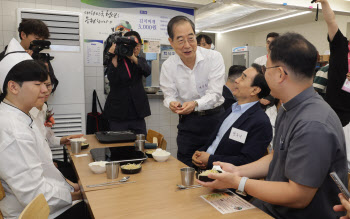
x,y
161,120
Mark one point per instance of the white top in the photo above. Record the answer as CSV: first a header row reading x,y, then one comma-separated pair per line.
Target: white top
x,y
26,169
39,117
261,60
204,83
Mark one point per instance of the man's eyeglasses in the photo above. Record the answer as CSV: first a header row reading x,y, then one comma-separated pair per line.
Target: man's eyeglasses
x,y
263,68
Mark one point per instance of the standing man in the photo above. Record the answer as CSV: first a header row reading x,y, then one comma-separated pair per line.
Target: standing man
x,y
269,100
205,41
192,82
308,145
337,98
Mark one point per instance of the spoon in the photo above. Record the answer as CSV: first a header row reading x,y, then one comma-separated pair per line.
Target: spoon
x,y
124,179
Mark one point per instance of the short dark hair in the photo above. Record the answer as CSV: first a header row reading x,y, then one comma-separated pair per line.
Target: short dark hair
x,y
296,53
206,38
260,81
236,71
28,70
33,26
176,20
134,33
272,34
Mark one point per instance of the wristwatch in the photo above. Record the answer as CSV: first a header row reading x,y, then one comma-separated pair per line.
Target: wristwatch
x,y
240,189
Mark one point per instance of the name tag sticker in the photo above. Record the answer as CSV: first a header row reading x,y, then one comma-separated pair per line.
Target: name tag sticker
x,y
238,135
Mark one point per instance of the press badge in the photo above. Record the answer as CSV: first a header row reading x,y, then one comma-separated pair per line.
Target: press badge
x,y
238,135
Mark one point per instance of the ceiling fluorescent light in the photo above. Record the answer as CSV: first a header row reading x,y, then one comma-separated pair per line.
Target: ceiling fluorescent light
x,y
259,23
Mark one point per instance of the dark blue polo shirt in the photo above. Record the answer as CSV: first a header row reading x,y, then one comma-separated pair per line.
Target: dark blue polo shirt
x,y
308,145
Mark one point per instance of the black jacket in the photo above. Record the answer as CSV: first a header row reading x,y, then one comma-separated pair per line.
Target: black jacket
x,y
229,99
127,98
257,124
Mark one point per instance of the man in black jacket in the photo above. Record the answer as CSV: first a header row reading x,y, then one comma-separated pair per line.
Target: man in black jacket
x,y
127,103
234,72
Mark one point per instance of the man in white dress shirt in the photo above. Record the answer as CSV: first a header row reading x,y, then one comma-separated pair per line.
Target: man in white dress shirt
x,y
269,100
26,167
192,82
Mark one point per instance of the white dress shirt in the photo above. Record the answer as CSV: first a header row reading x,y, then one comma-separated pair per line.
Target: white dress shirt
x,y
204,83
272,114
39,117
26,167
261,60
237,111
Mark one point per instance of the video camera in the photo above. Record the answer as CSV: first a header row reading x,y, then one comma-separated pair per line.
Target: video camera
x,y
124,45
37,46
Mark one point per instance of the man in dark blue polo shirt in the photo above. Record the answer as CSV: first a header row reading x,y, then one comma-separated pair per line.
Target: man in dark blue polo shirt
x,y
309,142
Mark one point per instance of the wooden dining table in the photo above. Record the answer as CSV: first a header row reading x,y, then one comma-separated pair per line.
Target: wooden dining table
x,y
153,195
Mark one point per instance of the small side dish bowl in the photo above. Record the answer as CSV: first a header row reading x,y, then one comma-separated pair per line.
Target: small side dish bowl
x,y
161,155
203,176
149,153
98,167
131,168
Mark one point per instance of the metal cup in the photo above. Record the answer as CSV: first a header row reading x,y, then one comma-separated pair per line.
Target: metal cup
x,y
75,146
140,137
140,145
112,169
187,176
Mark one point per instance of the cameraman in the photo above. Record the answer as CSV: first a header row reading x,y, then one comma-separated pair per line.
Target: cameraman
x,y
29,30
127,103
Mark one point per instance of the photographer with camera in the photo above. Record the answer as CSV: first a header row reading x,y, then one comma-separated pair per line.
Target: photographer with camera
x,y
127,103
29,30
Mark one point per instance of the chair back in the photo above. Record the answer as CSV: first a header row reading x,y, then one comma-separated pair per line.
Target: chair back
x,y
151,134
2,195
163,145
36,209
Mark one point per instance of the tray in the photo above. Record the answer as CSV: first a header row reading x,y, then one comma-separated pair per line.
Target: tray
x,y
122,154
115,136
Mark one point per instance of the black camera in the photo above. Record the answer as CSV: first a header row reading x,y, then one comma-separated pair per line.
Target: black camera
x,y
125,46
37,46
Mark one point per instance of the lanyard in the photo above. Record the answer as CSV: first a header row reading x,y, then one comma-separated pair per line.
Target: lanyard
x,y
127,68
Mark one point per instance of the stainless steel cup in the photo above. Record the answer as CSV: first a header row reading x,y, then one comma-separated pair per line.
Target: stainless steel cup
x,y
187,176
140,145
75,146
112,169
140,137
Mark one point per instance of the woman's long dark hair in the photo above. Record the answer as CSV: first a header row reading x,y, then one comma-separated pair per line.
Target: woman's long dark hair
x,y
28,70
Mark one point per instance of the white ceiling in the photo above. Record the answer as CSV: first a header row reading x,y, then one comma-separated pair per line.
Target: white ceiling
x,y
226,14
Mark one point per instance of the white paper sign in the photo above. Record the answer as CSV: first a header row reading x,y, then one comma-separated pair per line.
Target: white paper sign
x,y
93,52
238,135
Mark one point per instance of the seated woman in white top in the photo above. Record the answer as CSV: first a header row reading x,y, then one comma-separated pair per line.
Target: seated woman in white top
x,y
26,167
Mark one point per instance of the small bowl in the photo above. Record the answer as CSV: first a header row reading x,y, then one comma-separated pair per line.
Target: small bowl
x,y
98,167
133,171
84,146
149,153
130,171
161,158
205,178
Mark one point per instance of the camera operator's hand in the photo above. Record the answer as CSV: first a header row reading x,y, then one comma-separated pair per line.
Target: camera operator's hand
x,y
133,59
112,48
30,52
115,61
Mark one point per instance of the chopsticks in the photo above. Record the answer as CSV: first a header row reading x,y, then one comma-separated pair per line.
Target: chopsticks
x,y
108,184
